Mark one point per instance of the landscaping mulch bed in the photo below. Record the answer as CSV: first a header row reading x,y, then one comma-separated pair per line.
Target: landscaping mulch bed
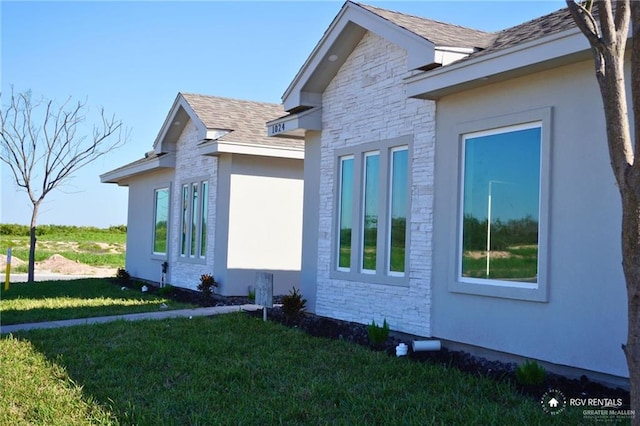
x,y
357,333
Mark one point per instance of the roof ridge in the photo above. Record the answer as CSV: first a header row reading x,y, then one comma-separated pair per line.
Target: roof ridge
x,y
226,98
437,32
533,29
368,7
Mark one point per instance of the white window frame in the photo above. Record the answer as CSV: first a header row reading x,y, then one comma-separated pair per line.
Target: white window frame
x,y
356,272
167,188
362,216
341,161
390,216
539,118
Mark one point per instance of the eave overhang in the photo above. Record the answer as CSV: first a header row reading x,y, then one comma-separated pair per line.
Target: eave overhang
x,y
537,55
342,36
295,125
173,126
217,147
122,174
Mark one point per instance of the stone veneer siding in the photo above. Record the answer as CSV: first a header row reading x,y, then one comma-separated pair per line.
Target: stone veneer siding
x,y
366,102
191,167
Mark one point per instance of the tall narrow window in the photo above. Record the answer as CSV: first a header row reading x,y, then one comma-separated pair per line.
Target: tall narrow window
x,y
194,220
160,221
345,214
373,200
370,211
398,210
501,204
203,218
185,220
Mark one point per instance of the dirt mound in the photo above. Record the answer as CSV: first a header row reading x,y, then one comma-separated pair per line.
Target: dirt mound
x,y
14,262
61,265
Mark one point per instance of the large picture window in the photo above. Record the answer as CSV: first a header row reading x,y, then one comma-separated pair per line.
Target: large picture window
x,y
501,206
195,199
372,185
161,217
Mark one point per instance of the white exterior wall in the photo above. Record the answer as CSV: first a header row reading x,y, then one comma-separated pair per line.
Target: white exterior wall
x,y
264,222
191,167
366,102
583,322
140,260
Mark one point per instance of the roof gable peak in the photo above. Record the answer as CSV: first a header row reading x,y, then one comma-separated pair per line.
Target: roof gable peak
x,y
419,37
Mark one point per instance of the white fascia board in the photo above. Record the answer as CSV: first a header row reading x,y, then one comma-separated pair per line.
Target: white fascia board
x,y
216,148
291,96
294,125
179,103
133,169
166,125
420,51
476,71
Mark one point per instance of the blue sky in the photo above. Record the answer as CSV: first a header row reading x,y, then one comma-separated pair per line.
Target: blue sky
x,y
132,58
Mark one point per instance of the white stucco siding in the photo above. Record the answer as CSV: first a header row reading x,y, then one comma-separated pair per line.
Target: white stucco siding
x,y
140,260
263,216
191,167
366,102
583,322
265,223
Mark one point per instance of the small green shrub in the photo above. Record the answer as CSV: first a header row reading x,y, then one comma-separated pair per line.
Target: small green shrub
x,y
293,305
206,286
164,291
530,373
123,276
378,335
252,295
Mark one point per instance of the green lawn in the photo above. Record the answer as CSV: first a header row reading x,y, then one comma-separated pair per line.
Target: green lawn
x,y
234,369
59,300
88,245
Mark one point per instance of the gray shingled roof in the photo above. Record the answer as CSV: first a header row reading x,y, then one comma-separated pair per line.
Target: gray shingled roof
x,y
555,22
246,119
443,34
439,33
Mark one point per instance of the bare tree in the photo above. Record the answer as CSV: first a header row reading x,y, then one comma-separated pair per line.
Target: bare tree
x,y
607,32
44,145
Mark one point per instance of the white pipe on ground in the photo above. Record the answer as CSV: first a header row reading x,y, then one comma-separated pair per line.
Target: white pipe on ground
x,y
426,345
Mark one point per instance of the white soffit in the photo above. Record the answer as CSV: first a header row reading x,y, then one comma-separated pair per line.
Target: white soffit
x,y
173,125
138,167
214,148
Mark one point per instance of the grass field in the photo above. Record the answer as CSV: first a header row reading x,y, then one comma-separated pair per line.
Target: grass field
x,y
60,300
234,369
88,245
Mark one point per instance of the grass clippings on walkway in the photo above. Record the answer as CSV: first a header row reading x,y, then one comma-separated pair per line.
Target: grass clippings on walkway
x,y
234,369
72,299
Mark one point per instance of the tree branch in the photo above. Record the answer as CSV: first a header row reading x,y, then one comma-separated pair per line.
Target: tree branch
x,y
43,145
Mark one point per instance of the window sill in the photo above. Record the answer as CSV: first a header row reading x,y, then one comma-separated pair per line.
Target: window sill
x,y
502,289
194,260
398,281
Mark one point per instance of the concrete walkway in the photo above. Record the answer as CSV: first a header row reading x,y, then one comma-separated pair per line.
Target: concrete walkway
x,y
178,313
